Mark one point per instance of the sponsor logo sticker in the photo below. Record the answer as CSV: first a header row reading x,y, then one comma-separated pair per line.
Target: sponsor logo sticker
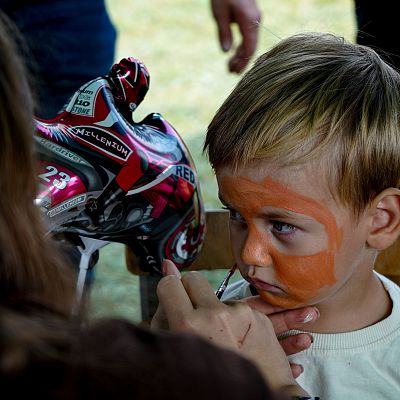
x,y
61,151
66,205
83,103
186,173
102,140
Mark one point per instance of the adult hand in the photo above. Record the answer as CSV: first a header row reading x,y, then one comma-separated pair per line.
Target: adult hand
x,y
282,321
246,14
285,320
190,305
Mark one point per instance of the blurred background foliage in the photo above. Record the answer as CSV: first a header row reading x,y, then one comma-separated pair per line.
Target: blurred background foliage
x,y
177,41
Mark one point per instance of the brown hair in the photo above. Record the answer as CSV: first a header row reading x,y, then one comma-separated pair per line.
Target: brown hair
x,y
33,279
315,97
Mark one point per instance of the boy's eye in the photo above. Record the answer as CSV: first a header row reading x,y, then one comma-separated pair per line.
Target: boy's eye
x,y
282,227
234,215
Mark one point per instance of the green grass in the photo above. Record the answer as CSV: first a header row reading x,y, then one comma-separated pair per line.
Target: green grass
x,y
176,39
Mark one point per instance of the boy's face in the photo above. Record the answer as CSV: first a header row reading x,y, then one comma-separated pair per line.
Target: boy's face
x,y
289,237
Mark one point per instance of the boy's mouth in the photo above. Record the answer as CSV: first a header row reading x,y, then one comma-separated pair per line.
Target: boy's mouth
x,y
261,285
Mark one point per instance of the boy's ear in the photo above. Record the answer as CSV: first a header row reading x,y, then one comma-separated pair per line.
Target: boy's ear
x,y
385,223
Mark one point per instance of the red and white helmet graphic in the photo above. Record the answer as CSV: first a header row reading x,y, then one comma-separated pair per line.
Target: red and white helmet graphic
x,y
106,177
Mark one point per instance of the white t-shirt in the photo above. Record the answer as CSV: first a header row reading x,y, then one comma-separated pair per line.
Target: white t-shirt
x,y
358,365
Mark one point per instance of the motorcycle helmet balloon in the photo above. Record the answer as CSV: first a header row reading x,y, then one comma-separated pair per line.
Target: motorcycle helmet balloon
x,y
104,176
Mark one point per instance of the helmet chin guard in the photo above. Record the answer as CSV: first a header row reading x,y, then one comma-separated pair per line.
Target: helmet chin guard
x,y
103,176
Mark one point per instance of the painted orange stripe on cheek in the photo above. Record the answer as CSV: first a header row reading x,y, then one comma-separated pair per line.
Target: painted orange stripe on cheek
x,y
302,276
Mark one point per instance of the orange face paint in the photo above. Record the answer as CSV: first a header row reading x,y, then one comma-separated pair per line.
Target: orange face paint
x,y
302,276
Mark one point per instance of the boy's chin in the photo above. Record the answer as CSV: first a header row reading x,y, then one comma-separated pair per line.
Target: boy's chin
x,y
280,300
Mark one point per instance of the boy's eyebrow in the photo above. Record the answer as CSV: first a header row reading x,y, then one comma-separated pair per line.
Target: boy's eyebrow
x,y
281,213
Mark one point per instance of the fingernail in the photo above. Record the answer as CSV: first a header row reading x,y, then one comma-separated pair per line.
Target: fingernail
x,y
164,267
303,341
308,318
169,268
226,45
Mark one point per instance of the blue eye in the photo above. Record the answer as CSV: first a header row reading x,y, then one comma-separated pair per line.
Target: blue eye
x,y
283,228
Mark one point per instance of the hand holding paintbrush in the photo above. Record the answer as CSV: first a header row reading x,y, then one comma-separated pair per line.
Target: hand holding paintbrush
x,y
189,304
224,284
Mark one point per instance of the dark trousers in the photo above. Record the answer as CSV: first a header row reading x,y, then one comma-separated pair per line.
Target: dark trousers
x,y
69,43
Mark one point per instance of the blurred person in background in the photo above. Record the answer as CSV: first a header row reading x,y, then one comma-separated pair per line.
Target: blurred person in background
x,y
68,43
247,16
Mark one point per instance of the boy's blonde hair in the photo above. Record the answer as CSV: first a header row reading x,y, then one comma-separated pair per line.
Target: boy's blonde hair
x,y
316,97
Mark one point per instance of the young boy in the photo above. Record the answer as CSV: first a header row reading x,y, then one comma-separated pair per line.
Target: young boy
x,y
306,151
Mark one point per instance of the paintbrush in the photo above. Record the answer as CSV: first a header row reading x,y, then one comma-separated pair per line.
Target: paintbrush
x,y
220,291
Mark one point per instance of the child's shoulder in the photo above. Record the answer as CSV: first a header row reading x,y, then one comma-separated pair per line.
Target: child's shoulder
x,y
392,288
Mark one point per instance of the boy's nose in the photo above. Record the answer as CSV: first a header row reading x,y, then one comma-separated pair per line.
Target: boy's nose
x,y
255,250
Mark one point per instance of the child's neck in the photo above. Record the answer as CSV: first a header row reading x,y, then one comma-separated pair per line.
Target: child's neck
x,y
362,303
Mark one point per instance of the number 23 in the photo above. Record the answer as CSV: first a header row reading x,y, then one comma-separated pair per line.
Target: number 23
x,y
60,182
